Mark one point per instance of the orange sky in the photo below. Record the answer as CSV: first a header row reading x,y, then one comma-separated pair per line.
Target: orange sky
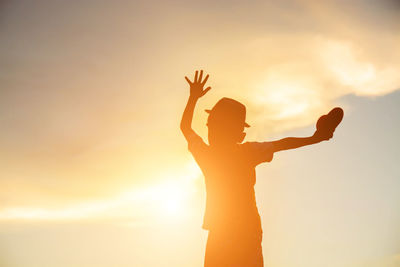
x,y
90,101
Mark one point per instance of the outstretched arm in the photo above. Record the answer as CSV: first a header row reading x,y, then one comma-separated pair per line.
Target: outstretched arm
x,y
196,91
296,142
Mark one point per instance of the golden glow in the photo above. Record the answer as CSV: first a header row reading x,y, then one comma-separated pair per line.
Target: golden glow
x,y
91,97
287,99
167,199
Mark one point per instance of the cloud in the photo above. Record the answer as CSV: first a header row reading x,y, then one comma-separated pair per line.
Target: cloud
x,y
295,92
89,103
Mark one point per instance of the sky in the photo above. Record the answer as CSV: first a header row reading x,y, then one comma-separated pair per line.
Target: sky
x,y
95,172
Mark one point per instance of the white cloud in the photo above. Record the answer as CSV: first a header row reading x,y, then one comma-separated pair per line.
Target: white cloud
x,y
295,90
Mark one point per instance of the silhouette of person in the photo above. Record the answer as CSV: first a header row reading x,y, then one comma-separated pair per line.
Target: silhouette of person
x,y
228,165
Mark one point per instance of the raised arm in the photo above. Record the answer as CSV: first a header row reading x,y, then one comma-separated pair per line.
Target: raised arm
x,y
296,142
196,91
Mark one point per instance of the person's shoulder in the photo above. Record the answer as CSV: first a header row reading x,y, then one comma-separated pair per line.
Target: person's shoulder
x,y
256,145
249,143
249,147
196,143
258,151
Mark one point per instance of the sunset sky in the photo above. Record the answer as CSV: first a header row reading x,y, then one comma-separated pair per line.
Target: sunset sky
x,y
95,172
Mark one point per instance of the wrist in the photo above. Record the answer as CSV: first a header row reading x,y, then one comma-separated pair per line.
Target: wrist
x,y
315,138
193,98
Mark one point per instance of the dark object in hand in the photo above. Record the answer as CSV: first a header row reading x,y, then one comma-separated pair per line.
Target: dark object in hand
x,y
328,123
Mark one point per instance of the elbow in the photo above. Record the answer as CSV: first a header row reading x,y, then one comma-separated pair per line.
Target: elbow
x,y
184,128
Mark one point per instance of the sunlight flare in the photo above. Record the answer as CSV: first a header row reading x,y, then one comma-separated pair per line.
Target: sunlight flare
x,y
167,199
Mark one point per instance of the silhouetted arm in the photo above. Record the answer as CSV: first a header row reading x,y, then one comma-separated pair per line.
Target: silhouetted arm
x,y
196,91
186,122
296,142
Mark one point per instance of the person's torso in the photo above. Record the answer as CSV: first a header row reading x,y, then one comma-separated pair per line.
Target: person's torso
x,y
229,179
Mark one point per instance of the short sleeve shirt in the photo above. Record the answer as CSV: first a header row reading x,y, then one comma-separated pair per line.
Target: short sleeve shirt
x,y
230,178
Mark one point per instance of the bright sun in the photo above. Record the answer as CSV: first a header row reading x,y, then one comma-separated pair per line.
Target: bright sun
x,y
169,199
173,202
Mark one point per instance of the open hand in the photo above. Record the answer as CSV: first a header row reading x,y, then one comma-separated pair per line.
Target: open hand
x,y
197,86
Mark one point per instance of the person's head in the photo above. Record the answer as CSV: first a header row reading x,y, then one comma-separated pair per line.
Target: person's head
x,y
226,122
